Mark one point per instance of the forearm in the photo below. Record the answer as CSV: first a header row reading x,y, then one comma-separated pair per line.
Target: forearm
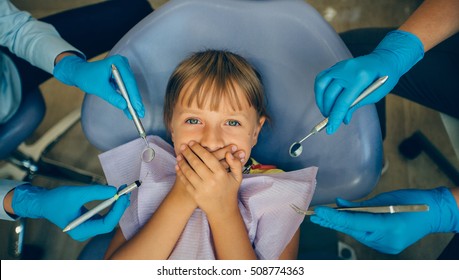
x,y
455,192
158,237
7,190
8,202
230,237
434,21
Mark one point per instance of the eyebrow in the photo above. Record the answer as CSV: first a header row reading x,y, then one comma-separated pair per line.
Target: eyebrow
x,y
197,112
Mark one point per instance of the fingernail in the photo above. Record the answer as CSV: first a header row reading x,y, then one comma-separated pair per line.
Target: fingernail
x,y
233,148
179,158
242,155
191,143
182,147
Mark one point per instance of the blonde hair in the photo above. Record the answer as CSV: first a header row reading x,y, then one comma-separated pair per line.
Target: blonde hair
x,y
219,72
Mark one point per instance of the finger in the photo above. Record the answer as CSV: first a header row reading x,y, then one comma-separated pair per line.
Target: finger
x,y
235,166
130,83
127,113
188,186
330,95
352,221
358,235
188,172
240,155
113,97
224,164
320,85
212,163
342,105
340,202
94,192
379,200
112,218
220,153
348,117
100,225
181,176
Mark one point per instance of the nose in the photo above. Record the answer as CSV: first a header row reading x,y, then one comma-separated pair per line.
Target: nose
x,y
212,138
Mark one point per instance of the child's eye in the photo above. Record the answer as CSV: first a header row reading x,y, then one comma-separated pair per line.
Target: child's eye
x,y
233,123
192,121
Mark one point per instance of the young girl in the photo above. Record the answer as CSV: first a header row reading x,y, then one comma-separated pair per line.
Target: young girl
x,y
214,108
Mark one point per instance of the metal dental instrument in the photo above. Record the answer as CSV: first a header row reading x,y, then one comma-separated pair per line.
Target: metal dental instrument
x,y
86,216
296,149
372,209
148,154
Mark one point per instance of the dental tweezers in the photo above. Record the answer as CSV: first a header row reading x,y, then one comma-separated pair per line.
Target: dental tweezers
x,y
390,209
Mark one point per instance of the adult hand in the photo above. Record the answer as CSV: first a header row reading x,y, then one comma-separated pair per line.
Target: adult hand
x,y
337,87
96,78
392,233
64,204
210,184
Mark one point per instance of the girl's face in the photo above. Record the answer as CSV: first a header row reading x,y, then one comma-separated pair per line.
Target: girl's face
x,y
215,129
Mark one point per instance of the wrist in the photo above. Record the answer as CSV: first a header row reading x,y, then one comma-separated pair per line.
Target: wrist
x,y
224,215
405,49
7,203
66,65
181,194
26,201
60,56
448,220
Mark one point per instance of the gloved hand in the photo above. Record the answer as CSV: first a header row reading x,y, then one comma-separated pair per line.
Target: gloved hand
x,y
64,204
96,78
392,233
337,87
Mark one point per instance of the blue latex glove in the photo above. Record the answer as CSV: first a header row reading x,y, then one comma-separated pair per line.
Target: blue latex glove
x,y
337,87
392,233
64,204
96,78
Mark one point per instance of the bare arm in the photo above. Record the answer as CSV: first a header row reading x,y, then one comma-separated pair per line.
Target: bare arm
x,y
455,192
434,21
166,225
291,250
7,203
117,240
158,237
230,236
215,191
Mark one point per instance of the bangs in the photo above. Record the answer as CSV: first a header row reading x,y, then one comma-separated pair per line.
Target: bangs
x,y
212,93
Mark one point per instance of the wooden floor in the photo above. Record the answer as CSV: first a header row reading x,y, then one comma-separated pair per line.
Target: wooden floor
x,y
403,118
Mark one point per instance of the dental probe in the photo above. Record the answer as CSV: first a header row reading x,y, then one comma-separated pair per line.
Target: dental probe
x,y
296,149
86,216
123,91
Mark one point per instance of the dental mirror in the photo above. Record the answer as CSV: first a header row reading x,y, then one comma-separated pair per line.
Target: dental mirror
x,y
148,154
296,148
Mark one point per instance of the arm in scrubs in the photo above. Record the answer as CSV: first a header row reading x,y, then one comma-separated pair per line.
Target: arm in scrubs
x,y
337,87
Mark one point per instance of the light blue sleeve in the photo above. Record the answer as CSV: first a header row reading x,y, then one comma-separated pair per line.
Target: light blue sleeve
x,y
33,40
5,187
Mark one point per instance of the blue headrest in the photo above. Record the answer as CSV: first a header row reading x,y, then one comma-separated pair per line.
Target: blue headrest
x,y
289,43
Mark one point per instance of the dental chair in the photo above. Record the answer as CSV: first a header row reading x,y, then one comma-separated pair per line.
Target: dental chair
x,y
289,43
